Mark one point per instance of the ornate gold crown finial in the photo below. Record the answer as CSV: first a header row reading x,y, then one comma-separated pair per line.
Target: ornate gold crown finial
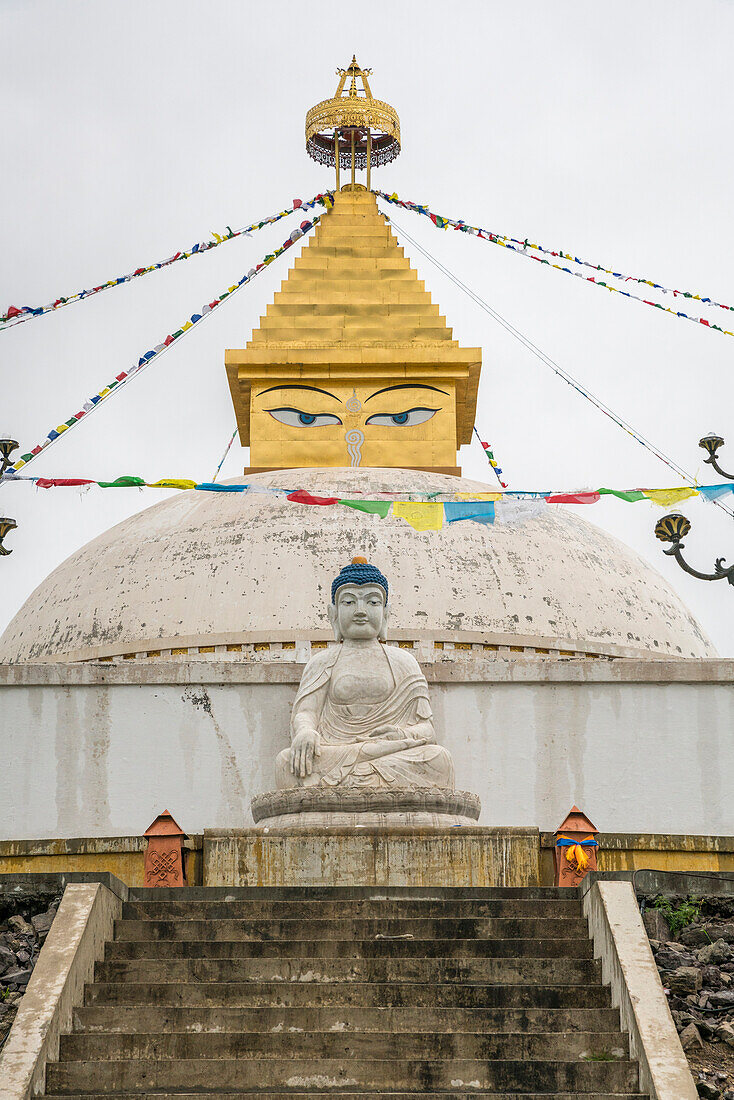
x,y
353,129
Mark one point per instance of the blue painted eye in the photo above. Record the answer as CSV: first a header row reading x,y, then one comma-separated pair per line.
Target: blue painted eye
x,y
410,418
295,418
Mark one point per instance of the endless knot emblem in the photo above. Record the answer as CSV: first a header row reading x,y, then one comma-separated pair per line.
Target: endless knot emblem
x,y
163,865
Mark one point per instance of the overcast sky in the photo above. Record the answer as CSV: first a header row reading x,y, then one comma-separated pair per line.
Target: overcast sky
x,y
133,130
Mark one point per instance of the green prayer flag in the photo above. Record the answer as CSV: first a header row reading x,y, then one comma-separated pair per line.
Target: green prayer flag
x,y
377,507
121,483
624,494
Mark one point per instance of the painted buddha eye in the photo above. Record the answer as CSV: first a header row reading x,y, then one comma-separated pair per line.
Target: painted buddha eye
x,y
410,418
298,419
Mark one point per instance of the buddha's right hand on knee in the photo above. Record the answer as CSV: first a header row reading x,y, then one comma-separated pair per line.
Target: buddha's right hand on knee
x,y
304,747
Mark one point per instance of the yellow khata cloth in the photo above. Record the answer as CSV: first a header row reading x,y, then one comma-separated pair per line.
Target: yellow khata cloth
x,y
422,517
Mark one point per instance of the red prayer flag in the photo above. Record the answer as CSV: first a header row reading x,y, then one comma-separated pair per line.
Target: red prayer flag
x,y
302,496
573,498
13,312
52,482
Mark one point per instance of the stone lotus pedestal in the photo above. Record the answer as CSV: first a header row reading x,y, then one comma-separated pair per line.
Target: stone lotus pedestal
x,y
415,807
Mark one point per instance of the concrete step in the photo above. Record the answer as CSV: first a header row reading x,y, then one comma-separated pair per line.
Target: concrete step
x,y
111,1018
349,908
422,928
375,1075
436,1046
349,1094
359,994
379,946
521,971
376,895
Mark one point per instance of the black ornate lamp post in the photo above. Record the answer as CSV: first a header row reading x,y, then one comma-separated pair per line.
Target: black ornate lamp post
x,y
5,526
711,443
674,527
7,446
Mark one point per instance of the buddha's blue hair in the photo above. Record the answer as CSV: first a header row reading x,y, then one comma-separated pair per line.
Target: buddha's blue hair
x,y
359,572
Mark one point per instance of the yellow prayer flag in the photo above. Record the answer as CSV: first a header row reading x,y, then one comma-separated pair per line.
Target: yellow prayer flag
x,y
423,517
478,496
171,483
187,326
666,497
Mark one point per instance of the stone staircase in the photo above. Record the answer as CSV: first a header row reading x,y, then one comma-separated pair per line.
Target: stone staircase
x,y
356,992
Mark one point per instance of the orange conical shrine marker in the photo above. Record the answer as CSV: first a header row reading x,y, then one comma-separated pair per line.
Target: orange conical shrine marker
x,y
164,856
575,850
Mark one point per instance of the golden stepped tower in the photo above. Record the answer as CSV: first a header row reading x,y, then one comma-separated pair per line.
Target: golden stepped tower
x,y
352,364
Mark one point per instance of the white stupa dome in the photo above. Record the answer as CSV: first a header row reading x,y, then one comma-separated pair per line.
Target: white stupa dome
x,y
226,573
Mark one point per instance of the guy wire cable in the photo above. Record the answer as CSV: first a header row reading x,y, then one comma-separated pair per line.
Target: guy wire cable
x,y
555,367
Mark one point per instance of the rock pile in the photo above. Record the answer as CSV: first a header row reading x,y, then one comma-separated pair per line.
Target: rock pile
x,y
696,964
25,919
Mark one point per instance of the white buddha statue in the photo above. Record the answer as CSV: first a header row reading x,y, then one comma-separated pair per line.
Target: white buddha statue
x,y
362,717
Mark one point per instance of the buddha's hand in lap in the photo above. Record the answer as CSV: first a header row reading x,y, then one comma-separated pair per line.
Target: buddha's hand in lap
x,y
304,748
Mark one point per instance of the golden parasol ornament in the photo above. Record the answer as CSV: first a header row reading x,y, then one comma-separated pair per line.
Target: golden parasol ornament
x,y
353,130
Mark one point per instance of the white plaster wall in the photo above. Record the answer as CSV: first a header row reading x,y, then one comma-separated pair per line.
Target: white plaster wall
x,y
100,750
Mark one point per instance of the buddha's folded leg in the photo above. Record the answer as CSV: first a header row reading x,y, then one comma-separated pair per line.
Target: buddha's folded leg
x,y
348,765
423,766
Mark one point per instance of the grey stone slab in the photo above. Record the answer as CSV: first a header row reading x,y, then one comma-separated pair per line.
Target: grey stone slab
x,y
131,1019
379,1075
326,971
349,907
357,928
378,946
354,993
361,1045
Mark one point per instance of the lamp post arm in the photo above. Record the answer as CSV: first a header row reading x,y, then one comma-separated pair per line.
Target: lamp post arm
x,y
722,473
720,573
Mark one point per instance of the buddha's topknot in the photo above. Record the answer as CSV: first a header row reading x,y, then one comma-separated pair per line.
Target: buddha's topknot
x,y
359,571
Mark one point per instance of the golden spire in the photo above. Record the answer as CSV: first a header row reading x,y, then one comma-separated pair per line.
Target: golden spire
x,y
353,363
364,130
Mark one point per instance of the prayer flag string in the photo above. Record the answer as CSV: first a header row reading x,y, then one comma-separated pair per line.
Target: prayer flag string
x,y
527,249
426,514
16,315
559,371
487,448
124,376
